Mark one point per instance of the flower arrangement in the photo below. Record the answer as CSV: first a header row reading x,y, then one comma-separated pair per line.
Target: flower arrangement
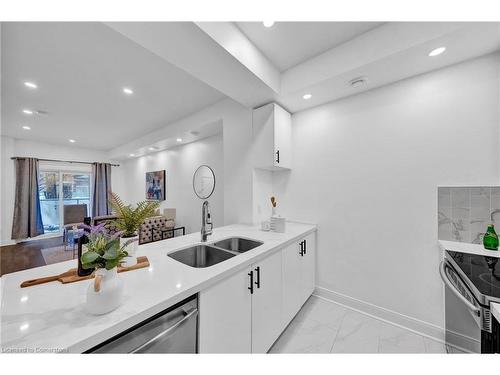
x,y
130,219
104,250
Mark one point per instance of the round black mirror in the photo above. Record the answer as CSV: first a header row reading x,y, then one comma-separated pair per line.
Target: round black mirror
x,y
204,182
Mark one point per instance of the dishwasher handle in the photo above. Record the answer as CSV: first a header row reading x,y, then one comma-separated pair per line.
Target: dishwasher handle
x,y
442,271
187,316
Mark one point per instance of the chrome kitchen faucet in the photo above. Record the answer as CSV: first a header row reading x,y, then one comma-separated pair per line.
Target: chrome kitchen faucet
x,y
205,220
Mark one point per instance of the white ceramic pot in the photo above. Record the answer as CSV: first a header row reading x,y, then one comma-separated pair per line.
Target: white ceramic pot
x,y
105,292
131,249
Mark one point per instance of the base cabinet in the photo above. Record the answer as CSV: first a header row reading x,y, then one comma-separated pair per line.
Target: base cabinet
x,y
298,275
225,316
266,303
248,311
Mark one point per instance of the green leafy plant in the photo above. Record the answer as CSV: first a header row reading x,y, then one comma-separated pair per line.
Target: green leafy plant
x,y
103,250
129,219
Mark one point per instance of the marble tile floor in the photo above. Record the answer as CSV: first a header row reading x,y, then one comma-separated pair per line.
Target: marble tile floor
x,y
322,326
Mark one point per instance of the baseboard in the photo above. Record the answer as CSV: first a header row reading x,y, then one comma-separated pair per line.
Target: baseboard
x,y
7,243
407,322
462,342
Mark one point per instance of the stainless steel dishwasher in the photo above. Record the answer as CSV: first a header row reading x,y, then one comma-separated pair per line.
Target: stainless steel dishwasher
x,y
174,330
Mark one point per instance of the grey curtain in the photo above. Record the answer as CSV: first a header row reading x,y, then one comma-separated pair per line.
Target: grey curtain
x,y
101,186
27,220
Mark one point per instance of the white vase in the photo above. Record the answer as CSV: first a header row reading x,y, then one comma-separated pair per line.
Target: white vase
x,y
131,249
105,292
274,212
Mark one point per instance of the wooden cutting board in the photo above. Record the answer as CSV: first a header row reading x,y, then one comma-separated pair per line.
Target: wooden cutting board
x,y
71,275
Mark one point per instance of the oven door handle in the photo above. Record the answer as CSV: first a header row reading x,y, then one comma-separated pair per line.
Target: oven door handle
x,y
447,282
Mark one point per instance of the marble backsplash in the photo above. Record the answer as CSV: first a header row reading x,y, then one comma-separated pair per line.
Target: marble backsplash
x,y
465,212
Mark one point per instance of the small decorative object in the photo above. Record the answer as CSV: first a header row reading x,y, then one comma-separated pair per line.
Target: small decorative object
x,y
129,221
490,240
103,254
273,204
265,226
277,223
155,185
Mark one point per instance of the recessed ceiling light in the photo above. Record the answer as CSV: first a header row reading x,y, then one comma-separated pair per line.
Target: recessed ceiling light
x,y
153,148
25,127
437,51
307,96
27,111
31,85
268,23
179,139
128,91
131,155
71,140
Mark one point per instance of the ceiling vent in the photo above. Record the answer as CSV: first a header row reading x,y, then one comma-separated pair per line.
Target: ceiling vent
x,y
358,82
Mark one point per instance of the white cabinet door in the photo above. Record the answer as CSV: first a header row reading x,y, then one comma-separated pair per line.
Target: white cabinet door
x,y
272,137
266,303
308,266
293,291
282,138
225,321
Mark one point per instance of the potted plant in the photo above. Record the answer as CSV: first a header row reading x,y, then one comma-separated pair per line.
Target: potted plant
x,y
129,221
103,254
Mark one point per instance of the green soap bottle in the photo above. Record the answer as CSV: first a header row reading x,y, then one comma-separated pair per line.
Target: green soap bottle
x,y
490,240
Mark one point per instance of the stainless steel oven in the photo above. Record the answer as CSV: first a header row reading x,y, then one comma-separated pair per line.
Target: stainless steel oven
x,y
174,330
471,284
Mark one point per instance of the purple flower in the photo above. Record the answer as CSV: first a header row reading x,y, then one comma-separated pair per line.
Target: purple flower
x,y
94,229
116,235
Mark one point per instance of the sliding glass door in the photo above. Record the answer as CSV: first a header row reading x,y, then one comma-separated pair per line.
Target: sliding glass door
x,y
58,188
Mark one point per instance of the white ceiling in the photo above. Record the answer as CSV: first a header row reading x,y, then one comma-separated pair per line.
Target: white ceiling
x,y
287,44
178,68
80,69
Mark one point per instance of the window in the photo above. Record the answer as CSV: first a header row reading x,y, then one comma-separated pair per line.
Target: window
x,y
58,188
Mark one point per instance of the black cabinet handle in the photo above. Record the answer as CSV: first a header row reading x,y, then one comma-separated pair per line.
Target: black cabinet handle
x,y
305,246
301,252
278,156
257,269
250,288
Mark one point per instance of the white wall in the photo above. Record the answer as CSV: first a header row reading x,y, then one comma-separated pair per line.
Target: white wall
x,y
14,147
180,164
366,170
237,143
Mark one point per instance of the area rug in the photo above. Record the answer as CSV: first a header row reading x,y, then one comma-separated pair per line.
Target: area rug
x,y
56,254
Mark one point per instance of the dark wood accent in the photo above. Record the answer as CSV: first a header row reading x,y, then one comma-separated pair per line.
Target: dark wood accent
x,y
25,255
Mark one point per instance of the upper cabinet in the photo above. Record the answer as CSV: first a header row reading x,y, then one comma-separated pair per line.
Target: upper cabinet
x,y
272,134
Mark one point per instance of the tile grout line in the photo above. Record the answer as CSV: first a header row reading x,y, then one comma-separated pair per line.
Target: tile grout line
x,y
337,332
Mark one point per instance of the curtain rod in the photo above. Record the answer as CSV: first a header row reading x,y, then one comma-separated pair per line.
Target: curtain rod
x,y
62,161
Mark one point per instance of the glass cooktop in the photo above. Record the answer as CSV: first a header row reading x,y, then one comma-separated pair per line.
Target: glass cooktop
x,y
483,272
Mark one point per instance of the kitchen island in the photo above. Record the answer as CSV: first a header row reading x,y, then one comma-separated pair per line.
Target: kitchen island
x,y
52,318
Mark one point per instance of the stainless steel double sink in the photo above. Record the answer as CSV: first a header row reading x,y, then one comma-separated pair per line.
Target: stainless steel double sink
x,y
201,256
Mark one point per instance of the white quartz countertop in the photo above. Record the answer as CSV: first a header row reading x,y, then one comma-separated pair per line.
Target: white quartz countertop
x,y
468,248
495,310
52,316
